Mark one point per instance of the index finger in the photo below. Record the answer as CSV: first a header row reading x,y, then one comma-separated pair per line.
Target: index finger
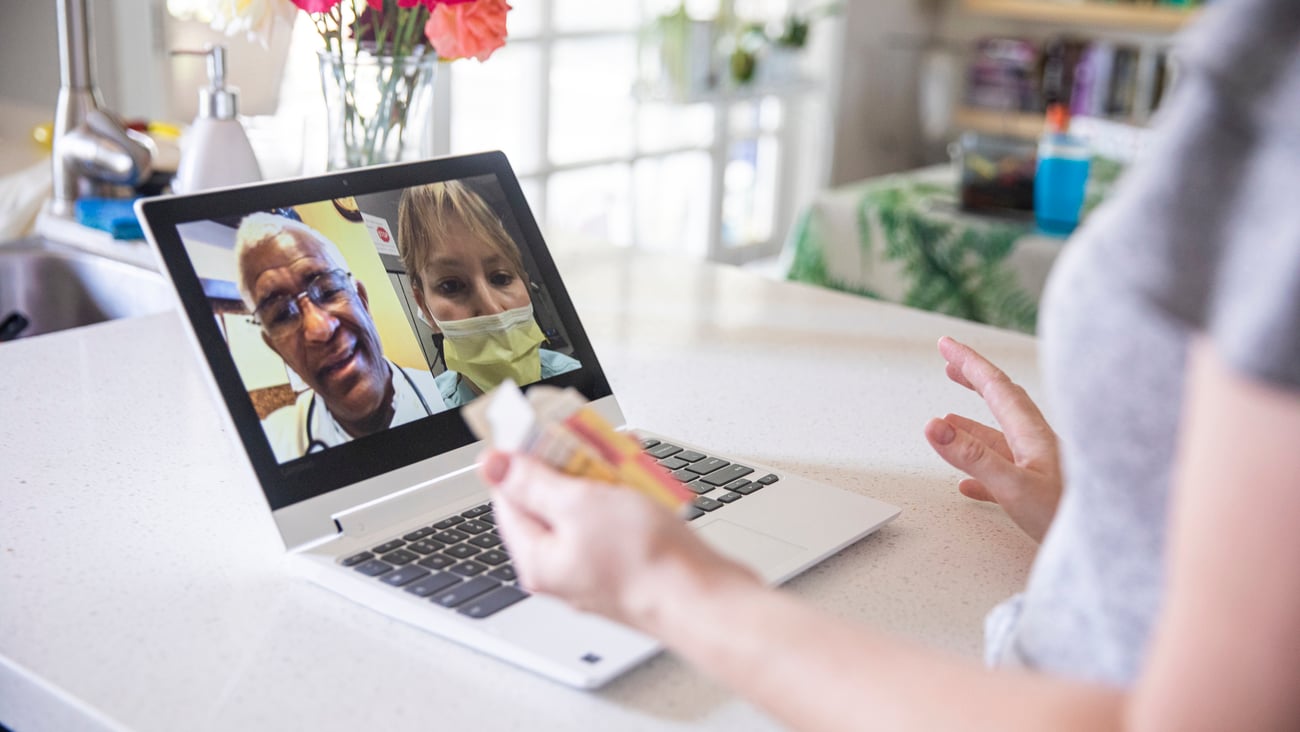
x,y
1026,430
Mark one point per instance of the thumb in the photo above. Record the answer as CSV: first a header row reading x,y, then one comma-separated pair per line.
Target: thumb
x,y
972,488
494,466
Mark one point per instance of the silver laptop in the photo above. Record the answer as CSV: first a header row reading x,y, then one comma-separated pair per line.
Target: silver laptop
x,y
343,382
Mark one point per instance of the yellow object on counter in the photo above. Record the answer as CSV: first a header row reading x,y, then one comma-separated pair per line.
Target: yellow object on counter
x,y
43,133
165,130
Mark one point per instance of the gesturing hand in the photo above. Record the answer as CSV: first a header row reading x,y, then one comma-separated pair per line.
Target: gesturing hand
x,y
1018,468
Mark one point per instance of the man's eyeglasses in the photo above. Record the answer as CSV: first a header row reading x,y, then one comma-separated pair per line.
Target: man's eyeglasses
x,y
282,315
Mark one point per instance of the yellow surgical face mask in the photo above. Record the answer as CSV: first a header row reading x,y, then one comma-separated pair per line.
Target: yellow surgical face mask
x,y
491,348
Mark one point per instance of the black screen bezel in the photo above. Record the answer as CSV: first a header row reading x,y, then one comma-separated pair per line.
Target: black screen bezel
x,y
367,457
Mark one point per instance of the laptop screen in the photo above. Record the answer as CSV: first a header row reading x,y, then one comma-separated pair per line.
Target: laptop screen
x,y
348,317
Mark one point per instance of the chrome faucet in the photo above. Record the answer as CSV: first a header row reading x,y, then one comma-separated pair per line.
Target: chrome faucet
x,y
93,153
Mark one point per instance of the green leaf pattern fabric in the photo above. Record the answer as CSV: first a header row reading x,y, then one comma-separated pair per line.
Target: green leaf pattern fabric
x,y
953,267
919,249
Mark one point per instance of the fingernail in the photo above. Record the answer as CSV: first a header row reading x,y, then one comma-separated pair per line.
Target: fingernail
x,y
496,467
941,432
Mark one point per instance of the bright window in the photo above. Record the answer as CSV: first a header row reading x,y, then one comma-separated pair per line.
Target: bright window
x,y
575,101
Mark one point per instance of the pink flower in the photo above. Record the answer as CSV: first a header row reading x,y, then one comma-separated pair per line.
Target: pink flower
x,y
316,6
430,4
464,29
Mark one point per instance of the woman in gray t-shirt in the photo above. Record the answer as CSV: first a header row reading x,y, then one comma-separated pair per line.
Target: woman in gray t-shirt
x,y
1164,595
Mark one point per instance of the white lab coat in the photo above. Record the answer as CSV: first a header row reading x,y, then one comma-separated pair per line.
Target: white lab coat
x,y
286,427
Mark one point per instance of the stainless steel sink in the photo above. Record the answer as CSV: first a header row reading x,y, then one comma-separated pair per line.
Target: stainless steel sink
x,y
47,287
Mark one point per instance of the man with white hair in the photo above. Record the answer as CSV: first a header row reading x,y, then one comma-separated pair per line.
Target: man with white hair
x,y
316,316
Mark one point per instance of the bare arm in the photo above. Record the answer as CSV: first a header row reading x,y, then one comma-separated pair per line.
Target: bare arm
x,y
816,672
1227,655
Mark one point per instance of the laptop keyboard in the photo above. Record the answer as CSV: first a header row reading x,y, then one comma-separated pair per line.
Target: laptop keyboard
x,y
723,481
461,564
458,562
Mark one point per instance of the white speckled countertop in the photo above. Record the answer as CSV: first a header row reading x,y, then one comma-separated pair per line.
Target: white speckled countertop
x,y
140,578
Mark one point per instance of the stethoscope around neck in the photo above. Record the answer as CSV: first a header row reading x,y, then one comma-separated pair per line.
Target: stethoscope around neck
x,y
315,445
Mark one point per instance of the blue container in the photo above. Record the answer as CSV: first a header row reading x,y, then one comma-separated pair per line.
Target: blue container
x,y
1059,182
114,215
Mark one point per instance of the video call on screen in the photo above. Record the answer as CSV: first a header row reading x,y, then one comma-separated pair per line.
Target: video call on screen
x,y
335,337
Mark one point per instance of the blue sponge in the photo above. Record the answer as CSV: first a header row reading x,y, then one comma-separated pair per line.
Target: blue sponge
x,y
113,215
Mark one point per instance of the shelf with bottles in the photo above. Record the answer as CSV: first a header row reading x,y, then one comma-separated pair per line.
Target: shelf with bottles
x,y
1148,16
1010,80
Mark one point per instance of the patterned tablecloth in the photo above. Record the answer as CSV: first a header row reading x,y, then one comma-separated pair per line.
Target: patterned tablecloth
x,y
902,238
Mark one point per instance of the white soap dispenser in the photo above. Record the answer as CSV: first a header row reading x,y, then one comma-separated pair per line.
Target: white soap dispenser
x,y
215,151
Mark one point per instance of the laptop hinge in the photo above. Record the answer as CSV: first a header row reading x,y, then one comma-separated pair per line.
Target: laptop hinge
x,y
391,511
608,408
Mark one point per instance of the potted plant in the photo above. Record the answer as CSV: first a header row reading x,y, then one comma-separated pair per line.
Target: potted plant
x,y
780,56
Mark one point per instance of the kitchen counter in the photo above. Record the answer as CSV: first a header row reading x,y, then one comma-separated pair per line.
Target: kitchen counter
x,y
141,577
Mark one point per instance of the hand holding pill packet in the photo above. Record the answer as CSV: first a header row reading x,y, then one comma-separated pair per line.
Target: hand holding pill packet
x,y
558,428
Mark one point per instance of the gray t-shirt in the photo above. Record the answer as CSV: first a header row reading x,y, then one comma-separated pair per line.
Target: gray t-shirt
x,y
1202,236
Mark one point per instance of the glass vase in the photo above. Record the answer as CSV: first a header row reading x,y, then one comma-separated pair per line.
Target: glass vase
x,y
379,108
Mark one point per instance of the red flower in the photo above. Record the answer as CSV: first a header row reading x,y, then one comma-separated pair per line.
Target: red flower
x,y
315,6
460,28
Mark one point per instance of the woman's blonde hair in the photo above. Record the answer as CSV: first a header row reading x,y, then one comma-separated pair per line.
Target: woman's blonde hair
x,y
423,217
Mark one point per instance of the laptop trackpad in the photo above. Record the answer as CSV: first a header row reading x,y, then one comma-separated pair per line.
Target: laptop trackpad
x,y
759,551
